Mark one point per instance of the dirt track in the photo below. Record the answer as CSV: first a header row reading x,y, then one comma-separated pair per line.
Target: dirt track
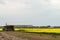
x,y
5,36
26,36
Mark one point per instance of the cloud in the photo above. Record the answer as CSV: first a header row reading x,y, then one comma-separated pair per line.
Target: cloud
x,y
15,6
3,2
36,12
50,3
48,12
15,10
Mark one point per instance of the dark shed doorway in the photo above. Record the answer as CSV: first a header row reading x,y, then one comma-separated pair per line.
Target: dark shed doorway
x,y
8,28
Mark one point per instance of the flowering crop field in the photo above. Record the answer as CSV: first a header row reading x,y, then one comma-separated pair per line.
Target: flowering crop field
x,y
1,29
38,30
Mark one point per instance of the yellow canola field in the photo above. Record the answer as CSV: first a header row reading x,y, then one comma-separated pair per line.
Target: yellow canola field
x,y
49,30
1,29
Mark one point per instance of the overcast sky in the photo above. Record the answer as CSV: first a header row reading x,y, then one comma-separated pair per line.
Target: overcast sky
x,y
35,12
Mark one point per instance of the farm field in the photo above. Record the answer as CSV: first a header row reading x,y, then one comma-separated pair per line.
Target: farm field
x,y
11,35
1,29
38,30
27,34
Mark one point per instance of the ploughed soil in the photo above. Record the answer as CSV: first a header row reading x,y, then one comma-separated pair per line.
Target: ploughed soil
x,y
11,35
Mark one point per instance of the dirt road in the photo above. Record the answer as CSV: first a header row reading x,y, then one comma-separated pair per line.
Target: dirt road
x,y
5,36
26,36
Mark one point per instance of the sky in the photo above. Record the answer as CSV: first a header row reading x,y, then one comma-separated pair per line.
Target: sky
x,y
30,12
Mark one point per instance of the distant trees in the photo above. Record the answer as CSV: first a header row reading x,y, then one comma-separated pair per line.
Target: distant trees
x,y
26,26
48,26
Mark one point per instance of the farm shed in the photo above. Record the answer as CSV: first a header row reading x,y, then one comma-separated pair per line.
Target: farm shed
x,y
8,28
